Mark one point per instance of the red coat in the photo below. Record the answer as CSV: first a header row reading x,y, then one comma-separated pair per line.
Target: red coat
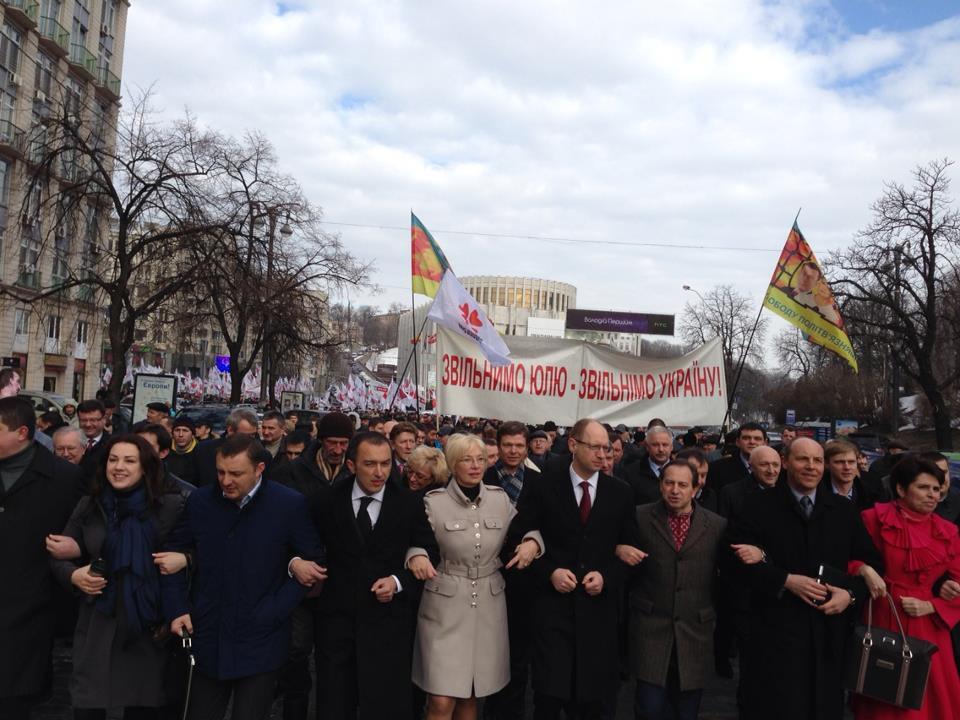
x,y
917,551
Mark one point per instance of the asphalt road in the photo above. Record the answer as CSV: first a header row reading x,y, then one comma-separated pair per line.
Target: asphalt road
x,y
719,699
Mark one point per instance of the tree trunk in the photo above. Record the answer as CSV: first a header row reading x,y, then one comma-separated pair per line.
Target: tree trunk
x,y
236,381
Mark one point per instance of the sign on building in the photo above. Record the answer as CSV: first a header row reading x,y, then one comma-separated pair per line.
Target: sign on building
x,y
620,322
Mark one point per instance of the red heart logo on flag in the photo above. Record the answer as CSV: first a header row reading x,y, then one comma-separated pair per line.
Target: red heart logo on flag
x,y
475,319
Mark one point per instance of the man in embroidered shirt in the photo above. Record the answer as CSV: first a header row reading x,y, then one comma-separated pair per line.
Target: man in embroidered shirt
x,y
671,630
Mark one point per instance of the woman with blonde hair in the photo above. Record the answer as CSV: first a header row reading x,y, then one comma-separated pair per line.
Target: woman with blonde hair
x,y
462,649
426,467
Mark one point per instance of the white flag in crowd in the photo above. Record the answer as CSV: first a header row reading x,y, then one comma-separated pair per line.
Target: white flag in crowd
x,y
454,308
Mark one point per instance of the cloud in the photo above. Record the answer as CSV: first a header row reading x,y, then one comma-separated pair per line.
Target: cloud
x,y
685,122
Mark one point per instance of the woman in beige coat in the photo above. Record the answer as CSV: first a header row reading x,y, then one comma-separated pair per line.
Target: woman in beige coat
x,y
462,647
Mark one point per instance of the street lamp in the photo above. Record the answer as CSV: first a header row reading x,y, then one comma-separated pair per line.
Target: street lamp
x,y
690,289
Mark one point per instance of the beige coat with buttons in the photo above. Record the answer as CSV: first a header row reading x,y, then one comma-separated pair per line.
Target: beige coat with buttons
x,y
462,644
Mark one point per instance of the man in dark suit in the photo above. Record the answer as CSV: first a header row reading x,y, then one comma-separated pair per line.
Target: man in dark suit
x,y
38,491
92,417
510,473
240,421
704,496
842,474
671,598
403,439
583,515
733,598
797,625
322,464
737,466
364,628
643,476
255,547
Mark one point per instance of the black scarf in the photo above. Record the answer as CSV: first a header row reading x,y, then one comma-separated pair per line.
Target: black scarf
x,y
128,556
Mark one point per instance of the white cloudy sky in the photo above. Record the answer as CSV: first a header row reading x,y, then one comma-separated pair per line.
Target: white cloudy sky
x,y
684,123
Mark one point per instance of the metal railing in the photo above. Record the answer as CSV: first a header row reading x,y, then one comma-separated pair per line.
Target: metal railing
x,y
108,80
52,30
30,8
10,134
81,57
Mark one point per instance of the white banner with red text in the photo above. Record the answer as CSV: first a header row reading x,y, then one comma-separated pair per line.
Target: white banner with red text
x,y
565,380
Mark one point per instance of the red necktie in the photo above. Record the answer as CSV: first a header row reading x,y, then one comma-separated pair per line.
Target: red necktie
x,y
584,502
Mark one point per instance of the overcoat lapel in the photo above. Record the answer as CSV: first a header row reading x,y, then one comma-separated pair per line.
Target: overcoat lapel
x,y
659,520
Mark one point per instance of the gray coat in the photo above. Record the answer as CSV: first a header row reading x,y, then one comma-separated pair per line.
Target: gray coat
x,y
107,673
462,644
671,600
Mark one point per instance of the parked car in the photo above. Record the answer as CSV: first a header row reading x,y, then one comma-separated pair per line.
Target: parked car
x,y
46,401
215,415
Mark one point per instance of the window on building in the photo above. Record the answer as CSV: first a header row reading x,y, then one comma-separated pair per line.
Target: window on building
x,y
21,322
46,69
73,93
81,22
83,331
10,41
527,295
53,327
61,256
50,9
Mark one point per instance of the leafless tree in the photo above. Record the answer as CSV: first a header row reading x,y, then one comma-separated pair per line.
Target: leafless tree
x,y
115,213
729,315
895,278
268,273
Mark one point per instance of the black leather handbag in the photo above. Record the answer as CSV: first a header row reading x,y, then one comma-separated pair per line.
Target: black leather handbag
x,y
888,666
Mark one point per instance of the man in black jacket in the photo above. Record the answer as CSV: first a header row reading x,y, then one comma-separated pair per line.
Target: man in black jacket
x,y
321,464
510,472
583,515
92,418
797,625
842,474
38,491
240,421
364,628
643,476
737,466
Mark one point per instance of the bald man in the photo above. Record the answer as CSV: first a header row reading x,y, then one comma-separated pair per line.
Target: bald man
x,y
764,471
797,626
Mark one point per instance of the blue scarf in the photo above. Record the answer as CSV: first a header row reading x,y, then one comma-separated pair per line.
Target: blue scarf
x,y
127,554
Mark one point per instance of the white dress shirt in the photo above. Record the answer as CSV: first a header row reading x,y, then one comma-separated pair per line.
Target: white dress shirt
x,y
578,491
373,510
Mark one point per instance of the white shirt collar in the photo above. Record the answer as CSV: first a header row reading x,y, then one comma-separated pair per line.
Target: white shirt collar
x,y
359,493
576,479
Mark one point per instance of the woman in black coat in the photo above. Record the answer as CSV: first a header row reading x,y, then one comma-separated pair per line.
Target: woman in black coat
x,y
119,657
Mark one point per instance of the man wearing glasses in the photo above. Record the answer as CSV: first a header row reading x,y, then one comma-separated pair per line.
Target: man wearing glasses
x,y
583,514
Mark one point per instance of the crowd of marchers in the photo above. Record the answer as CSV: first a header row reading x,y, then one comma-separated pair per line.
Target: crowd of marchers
x,y
436,570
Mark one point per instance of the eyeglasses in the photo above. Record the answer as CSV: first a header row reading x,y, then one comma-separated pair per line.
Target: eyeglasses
x,y
594,447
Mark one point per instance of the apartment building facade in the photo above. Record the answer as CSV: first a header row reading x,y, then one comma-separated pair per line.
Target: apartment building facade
x,y
58,59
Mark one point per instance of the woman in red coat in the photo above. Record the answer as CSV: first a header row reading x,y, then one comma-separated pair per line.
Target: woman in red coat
x,y
918,548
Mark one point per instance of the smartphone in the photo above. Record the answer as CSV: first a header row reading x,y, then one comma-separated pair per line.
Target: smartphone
x,y
821,572
98,567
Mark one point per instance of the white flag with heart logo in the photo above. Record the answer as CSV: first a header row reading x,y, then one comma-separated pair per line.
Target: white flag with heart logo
x,y
454,308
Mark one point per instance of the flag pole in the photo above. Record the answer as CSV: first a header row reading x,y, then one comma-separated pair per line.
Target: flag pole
x,y
732,393
406,365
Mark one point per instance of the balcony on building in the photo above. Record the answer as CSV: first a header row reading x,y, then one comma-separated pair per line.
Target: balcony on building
x,y
11,138
83,61
54,36
107,81
24,12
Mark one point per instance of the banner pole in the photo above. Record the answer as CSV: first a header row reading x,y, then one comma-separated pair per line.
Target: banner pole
x,y
406,365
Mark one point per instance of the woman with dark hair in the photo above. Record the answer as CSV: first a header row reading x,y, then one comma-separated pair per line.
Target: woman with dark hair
x,y
119,658
918,548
